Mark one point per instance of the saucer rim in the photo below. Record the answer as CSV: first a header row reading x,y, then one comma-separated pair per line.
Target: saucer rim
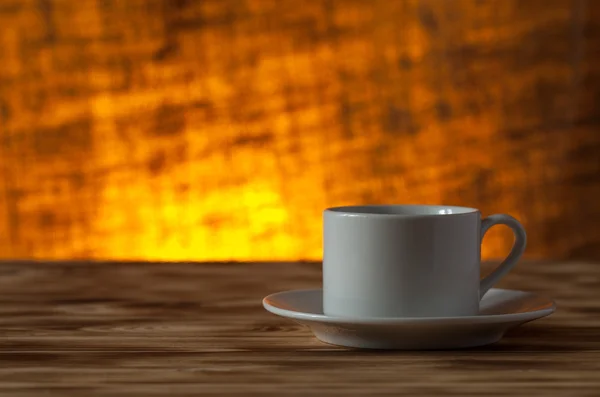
x,y
477,319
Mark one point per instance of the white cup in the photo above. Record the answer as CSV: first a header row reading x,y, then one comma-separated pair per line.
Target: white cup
x,y
408,260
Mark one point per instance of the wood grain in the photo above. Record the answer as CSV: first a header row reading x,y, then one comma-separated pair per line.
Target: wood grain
x,y
142,329
220,129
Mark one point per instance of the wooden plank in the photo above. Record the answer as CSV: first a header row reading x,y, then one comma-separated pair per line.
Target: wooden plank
x,y
218,130
144,329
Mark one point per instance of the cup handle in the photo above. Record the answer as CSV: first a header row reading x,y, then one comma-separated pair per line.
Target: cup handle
x,y
515,253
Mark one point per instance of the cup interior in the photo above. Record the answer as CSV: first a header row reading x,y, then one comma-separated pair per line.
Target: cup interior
x,y
402,210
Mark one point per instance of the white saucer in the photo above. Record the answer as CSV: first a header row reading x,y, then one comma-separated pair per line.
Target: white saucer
x,y
500,310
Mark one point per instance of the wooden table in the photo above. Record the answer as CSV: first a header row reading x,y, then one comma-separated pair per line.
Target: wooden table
x,y
142,329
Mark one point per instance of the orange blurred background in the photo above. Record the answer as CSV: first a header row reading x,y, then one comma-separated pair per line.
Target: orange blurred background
x,y
219,130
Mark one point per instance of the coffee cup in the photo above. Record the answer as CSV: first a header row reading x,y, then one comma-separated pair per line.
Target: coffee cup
x,y
393,261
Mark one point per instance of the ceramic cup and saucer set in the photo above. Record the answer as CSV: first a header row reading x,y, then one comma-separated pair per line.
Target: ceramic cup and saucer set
x,y
408,277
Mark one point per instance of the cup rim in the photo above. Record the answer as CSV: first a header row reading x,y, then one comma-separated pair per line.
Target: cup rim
x,y
369,210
